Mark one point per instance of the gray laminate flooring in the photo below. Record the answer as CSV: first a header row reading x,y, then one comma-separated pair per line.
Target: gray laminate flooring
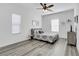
x,y
39,48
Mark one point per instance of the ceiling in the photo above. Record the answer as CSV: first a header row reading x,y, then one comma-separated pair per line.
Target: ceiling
x,y
57,6
61,7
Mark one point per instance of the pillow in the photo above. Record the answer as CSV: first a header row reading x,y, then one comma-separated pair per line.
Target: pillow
x,y
40,32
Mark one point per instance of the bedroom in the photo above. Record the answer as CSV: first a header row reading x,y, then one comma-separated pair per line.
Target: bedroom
x,y
15,34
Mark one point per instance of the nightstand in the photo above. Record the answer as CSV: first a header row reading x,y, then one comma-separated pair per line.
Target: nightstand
x,y
31,37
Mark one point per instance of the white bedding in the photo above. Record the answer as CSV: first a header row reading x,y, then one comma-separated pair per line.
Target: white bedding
x,y
50,37
49,34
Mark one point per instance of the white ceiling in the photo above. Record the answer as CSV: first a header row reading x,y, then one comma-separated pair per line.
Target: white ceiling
x,y
61,7
57,6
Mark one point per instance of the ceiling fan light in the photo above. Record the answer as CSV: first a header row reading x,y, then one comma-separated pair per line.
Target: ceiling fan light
x,y
44,10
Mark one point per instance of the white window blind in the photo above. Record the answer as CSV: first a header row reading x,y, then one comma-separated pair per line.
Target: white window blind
x,y
16,22
55,25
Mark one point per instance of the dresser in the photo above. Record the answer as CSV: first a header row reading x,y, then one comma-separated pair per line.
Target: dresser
x,y
71,38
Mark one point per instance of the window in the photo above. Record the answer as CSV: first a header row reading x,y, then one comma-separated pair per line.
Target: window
x,y
16,22
55,25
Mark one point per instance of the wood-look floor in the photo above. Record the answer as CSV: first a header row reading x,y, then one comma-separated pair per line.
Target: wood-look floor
x,y
39,48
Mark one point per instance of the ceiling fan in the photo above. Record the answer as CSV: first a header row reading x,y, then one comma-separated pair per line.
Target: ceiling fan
x,y
45,7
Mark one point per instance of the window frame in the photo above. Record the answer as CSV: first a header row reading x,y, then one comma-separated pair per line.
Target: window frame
x,y
55,25
16,25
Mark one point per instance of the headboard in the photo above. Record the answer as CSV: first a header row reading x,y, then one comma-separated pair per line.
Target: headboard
x,y
36,31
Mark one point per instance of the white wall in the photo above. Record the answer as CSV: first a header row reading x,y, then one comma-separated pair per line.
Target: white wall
x,y
27,15
63,17
77,13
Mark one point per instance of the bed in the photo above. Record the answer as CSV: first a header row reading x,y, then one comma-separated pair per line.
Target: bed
x,y
41,35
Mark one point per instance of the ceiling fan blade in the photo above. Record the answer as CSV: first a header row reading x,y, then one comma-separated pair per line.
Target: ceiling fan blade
x,y
50,6
41,4
50,10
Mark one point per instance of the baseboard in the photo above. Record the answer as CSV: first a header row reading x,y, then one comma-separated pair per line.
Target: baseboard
x,y
63,38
